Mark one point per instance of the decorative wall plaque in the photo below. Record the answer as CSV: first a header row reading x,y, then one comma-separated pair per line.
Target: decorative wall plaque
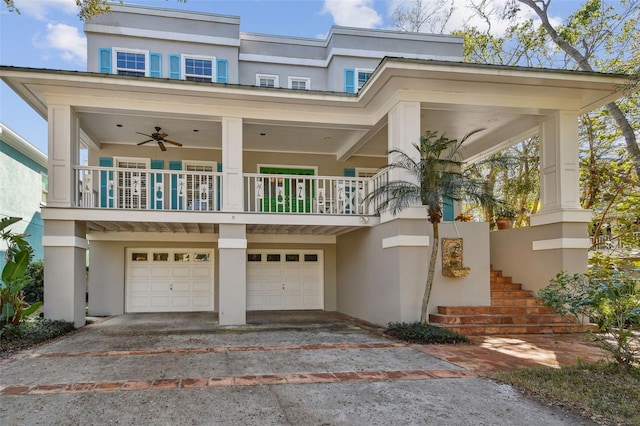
x,y
452,265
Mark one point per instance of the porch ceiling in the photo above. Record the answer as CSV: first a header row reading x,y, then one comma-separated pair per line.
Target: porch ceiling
x,y
208,228
455,99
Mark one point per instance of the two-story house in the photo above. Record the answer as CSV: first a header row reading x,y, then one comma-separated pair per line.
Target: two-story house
x,y
227,172
23,188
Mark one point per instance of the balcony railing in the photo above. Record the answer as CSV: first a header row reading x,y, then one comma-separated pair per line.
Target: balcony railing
x,y
142,189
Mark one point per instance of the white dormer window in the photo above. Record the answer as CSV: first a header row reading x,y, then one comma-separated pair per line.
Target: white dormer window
x,y
131,62
362,76
267,80
299,83
198,68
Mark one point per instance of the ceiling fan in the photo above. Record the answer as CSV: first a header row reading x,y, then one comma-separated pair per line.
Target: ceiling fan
x,y
160,138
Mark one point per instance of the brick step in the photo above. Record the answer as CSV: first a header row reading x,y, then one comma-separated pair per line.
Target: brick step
x,y
510,286
503,329
516,294
515,301
453,320
500,280
495,310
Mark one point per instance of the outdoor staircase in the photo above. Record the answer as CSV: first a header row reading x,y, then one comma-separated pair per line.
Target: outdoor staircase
x,y
512,311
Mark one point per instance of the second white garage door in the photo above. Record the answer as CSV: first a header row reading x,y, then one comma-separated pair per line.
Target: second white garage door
x,y
169,280
284,279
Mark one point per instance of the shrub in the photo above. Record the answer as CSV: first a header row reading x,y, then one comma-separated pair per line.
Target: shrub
x,y
31,332
34,289
610,297
416,332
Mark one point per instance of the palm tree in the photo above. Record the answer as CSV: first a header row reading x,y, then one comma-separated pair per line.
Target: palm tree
x,y
435,177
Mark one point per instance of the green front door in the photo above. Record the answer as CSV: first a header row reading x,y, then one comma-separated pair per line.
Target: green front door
x,y
287,195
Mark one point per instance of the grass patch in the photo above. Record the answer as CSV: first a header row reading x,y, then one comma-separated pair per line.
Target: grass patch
x,y
597,391
416,332
31,333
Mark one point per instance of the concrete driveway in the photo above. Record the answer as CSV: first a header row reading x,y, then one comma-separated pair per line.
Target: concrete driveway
x,y
298,368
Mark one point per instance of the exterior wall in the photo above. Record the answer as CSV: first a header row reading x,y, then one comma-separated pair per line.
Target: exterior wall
x,y
509,247
152,152
324,61
387,284
21,189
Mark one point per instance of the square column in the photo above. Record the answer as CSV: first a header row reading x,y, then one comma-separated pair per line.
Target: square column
x,y
65,272
232,274
559,171
64,131
403,131
232,179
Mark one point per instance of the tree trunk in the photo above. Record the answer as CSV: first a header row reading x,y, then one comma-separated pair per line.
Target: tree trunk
x,y
424,314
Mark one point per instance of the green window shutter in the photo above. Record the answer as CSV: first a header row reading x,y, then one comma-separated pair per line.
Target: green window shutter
x,y
174,67
176,200
222,71
155,65
220,167
350,172
105,177
156,202
104,60
350,80
447,209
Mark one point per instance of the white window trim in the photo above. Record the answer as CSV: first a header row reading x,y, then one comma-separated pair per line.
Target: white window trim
x,y
276,79
213,164
358,71
367,170
44,191
114,58
183,62
147,161
288,166
307,81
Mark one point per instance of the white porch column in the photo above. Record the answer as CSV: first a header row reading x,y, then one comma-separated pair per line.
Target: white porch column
x,y
65,260
403,130
232,180
559,171
232,274
64,133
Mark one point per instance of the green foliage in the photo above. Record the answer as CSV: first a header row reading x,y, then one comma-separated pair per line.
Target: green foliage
x,y
12,306
416,332
608,296
32,332
34,288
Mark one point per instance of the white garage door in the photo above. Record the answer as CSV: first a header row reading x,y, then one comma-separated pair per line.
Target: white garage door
x,y
169,280
284,279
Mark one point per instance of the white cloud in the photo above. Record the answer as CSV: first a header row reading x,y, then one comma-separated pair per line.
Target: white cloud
x,y
353,13
40,9
64,41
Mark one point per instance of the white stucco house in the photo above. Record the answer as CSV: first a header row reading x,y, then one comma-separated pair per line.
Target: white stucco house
x,y
23,188
261,207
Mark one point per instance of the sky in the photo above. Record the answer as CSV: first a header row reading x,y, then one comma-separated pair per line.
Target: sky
x,y
48,34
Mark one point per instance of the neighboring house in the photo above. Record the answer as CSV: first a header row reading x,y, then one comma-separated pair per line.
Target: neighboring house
x,y
23,188
262,207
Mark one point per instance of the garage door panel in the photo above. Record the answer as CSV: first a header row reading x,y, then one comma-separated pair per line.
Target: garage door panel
x,y
138,271
201,271
157,271
201,286
139,286
160,301
181,272
181,286
159,287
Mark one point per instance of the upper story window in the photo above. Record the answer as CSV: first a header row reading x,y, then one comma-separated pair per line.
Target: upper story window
x,y
355,78
363,76
198,68
299,83
45,188
131,62
267,80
